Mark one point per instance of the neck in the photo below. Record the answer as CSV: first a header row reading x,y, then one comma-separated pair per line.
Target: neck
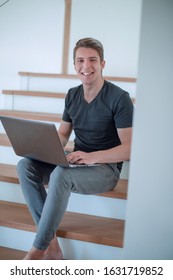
x,y
91,91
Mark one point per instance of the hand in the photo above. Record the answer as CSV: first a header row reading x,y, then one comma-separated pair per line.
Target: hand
x,y
79,157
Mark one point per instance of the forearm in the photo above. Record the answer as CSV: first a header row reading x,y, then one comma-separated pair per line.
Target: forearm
x,y
117,154
63,139
64,132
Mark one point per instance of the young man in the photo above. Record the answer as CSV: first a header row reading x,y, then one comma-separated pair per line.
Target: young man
x,y
100,114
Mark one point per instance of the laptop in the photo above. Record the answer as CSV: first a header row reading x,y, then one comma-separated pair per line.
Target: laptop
x,y
36,140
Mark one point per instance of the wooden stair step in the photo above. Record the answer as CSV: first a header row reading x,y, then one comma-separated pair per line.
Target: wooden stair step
x,y
8,174
4,141
39,94
73,76
100,230
34,93
11,254
41,116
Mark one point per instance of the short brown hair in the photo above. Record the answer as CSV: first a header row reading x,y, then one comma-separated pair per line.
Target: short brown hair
x,y
89,43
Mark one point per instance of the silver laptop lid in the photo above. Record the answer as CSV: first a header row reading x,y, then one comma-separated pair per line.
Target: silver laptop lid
x,y
35,140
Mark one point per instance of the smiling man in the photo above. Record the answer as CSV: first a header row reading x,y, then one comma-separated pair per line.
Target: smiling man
x,y
100,114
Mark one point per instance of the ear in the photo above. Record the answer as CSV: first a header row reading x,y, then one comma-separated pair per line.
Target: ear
x,y
103,64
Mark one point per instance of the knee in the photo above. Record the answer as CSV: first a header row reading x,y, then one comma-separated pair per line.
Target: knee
x,y
23,165
63,177
59,173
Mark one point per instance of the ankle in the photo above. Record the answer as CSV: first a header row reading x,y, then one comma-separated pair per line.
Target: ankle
x,y
34,254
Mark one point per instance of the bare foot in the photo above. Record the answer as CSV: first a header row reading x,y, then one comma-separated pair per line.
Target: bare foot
x,y
53,252
53,256
34,254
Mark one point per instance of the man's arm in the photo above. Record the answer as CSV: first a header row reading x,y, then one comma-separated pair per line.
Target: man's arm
x,y
116,154
64,132
121,152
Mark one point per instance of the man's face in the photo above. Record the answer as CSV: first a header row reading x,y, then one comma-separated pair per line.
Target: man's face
x,y
88,65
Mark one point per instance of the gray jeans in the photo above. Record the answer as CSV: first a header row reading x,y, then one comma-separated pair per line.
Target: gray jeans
x,y
48,208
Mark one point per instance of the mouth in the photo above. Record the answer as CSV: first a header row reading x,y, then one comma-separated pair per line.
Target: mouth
x,y
87,74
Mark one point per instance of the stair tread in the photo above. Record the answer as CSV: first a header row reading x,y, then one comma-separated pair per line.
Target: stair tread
x,y
42,116
4,141
8,174
100,230
39,94
73,76
35,93
11,254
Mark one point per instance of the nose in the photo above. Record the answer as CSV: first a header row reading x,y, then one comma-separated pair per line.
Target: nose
x,y
86,64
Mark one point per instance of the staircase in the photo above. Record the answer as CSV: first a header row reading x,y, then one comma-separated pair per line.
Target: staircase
x,y
93,226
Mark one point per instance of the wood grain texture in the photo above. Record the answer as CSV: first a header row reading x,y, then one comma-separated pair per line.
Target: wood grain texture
x,y
100,230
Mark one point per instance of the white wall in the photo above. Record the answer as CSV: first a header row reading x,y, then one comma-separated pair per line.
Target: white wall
x,y
149,226
31,35
116,23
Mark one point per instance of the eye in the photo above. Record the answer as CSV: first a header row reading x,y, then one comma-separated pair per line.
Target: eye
x,y
79,60
93,59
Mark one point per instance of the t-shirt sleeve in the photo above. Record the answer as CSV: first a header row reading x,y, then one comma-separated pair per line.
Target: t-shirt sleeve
x,y
123,115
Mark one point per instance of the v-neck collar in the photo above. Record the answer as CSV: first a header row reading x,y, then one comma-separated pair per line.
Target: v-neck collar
x,y
95,98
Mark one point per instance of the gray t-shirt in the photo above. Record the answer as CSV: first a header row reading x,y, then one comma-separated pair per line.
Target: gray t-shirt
x,y
95,124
